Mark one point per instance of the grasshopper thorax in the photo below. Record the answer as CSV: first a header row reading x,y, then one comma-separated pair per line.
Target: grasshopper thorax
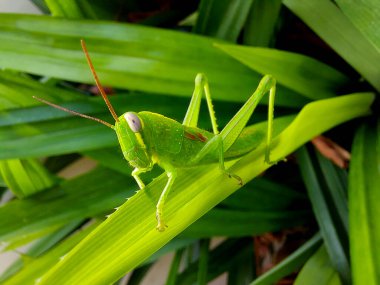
x,y
129,129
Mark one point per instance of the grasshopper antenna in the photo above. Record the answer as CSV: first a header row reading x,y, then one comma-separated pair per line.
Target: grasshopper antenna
x,y
74,113
104,95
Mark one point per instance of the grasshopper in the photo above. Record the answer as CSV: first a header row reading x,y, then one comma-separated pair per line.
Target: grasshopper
x,y
148,138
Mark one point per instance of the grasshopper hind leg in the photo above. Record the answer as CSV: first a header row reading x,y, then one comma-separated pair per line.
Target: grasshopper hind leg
x,y
216,144
191,119
221,163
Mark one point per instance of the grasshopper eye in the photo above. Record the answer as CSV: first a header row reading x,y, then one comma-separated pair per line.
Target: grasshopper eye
x,y
133,122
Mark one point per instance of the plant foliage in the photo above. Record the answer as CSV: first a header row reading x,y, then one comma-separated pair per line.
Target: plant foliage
x,y
96,227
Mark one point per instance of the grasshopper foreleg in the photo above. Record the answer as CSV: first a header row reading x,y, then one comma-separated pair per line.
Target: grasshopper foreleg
x,y
161,226
135,174
221,162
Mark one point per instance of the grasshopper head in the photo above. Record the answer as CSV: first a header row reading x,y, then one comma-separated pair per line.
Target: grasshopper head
x,y
128,129
127,126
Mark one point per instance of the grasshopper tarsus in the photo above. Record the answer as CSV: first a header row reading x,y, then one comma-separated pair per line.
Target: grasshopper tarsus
x,y
161,226
237,177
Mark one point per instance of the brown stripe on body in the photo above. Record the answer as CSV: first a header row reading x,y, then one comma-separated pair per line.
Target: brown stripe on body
x,y
197,137
201,137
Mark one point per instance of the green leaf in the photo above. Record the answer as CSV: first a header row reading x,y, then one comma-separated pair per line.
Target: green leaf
x,y
16,90
290,263
39,247
349,106
325,19
128,236
301,73
221,259
88,195
223,19
235,223
175,244
203,261
263,190
364,197
125,56
326,215
178,245
172,276
80,9
336,182
67,8
41,5
35,268
318,265
365,15
25,177
261,22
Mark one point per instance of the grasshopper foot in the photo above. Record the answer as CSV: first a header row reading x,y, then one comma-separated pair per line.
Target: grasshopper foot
x,y
273,162
239,180
160,223
161,227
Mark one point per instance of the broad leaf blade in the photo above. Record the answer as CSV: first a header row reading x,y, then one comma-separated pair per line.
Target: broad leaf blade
x,y
261,22
94,193
223,19
325,18
26,177
42,245
125,56
36,267
234,223
364,197
301,73
16,91
365,15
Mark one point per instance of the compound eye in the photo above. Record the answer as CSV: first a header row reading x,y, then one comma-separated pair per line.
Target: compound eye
x,y
133,122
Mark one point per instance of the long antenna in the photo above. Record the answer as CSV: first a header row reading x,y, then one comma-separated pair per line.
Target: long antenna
x,y
104,95
74,113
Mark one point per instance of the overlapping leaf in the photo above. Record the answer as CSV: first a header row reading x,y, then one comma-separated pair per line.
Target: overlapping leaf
x,y
364,195
125,56
325,18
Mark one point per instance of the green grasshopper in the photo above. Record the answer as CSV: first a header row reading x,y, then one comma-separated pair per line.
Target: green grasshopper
x,y
148,138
